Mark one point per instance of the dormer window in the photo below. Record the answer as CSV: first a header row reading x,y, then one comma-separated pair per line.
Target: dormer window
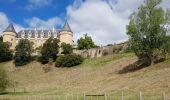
x,y
49,34
23,34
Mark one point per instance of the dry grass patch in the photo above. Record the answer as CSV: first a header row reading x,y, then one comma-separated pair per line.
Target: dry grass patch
x,y
94,76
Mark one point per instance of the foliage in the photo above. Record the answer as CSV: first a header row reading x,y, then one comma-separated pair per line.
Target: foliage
x,y
1,38
49,50
109,44
4,81
85,42
68,60
67,48
147,31
23,52
5,52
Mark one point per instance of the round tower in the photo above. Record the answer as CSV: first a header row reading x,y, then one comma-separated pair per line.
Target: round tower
x,y
66,35
9,35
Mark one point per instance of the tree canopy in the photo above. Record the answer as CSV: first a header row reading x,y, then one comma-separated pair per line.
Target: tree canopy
x,y
5,52
23,52
85,42
147,30
67,48
49,50
1,38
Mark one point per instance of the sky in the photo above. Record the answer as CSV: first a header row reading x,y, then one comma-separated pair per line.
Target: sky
x,y
104,20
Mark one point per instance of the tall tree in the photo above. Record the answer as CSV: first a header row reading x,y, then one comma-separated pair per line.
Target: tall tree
x,y
5,52
85,42
147,30
67,48
50,49
23,52
1,38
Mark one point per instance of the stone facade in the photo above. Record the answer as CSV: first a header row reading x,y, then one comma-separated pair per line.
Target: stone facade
x,y
38,37
102,51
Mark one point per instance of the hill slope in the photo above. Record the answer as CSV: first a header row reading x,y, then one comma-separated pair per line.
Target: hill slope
x,y
93,76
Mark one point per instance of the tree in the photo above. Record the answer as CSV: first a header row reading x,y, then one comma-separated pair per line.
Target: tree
x,y
5,52
67,48
4,80
49,50
147,30
23,52
1,38
85,42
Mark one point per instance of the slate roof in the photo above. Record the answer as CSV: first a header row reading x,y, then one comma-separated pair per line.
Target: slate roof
x,y
10,28
39,33
66,27
33,32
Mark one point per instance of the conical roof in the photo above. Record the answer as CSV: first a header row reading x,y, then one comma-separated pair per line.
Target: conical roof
x,y
66,27
10,28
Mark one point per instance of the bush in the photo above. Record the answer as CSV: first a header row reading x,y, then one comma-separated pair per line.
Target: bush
x,y
5,52
23,52
67,48
49,50
43,59
4,81
68,60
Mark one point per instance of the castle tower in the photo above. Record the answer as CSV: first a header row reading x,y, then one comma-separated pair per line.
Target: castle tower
x,y
66,35
9,35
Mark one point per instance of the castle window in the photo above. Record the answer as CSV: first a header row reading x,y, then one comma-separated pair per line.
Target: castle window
x,y
11,39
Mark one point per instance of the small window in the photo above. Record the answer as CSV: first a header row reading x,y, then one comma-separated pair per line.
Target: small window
x,y
11,39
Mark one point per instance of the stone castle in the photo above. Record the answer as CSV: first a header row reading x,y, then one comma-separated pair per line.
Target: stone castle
x,y
37,36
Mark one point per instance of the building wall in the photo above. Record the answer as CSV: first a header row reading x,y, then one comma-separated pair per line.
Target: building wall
x,y
11,38
37,42
66,37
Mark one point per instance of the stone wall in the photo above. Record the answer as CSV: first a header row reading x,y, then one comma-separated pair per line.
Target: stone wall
x,y
101,51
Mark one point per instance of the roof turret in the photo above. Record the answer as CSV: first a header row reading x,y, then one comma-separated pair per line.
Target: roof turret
x,y
10,28
66,27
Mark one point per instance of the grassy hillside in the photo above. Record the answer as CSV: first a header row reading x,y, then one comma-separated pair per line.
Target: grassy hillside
x,y
94,76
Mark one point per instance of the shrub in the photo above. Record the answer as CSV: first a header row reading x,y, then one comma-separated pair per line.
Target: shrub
x,y
43,59
4,81
67,48
49,50
23,52
68,60
5,52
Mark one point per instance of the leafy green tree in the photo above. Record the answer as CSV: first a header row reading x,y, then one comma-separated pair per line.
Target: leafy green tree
x,y
5,52
68,60
1,38
147,30
85,42
23,52
67,48
4,80
49,50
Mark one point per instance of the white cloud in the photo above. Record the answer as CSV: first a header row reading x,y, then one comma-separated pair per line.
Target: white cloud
x,y
5,22
104,20
36,22
36,4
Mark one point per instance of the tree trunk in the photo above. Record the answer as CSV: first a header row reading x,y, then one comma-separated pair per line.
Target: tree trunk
x,y
151,60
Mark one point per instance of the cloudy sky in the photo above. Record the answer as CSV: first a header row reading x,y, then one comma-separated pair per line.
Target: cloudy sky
x,y
104,20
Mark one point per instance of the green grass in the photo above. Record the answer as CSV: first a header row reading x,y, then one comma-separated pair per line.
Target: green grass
x,y
62,82
99,62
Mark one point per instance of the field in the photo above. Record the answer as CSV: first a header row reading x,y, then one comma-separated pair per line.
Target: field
x,y
94,76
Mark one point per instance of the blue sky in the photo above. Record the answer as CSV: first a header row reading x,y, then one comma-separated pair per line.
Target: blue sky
x,y
19,10
104,20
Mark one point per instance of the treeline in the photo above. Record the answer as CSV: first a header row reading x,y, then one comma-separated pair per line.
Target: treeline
x,y
49,52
